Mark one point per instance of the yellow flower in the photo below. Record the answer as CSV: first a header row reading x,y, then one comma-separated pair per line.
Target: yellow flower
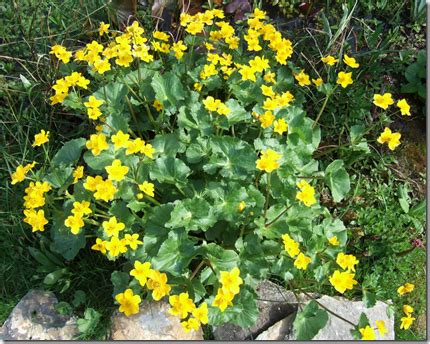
x,y
105,190
406,322
223,109
201,313
41,138
34,197
198,86
135,146
269,77
333,241
231,281
290,245
267,91
120,140
181,305
116,171
75,223
20,172
317,82
92,182
103,28
141,272
223,299
102,66
342,281
405,289
380,324
393,139
302,78
36,219
97,143
191,324
266,119
81,208
408,310
115,247
94,113
268,161
157,282
132,240
179,48
61,53
241,207
280,126
162,36
93,102
112,227
404,107
383,100
330,60
306,193
302,261
344,79
100,245
211,104
157,105
347,261
147,188
259,64
367,333
194,28
248,73
78,173
350,61
129,303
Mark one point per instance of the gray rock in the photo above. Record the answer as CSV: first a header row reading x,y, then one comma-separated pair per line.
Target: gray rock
x,y
153,322
274,304
278,331
338,329
35,318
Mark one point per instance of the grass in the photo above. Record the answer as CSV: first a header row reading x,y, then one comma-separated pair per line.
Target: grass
x,y
372,212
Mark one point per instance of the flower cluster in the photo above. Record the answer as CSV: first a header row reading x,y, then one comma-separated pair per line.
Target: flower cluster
x,y
407,320
230,286
293,249
344,280
368,332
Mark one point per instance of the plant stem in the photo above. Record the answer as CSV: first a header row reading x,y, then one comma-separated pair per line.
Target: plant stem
x,y
197,269
278,217
266,206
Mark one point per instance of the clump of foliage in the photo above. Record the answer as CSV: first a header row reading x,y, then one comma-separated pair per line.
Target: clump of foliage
x,y
199,180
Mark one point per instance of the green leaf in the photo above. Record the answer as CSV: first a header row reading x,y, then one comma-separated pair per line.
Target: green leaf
x,y
69,153
155,230
402,193
309,321
193,214
79,298
337,180
243,313
175,253
170,170
167,144
231,158
114,96
88,324
220,258
54,276
168,87
369,298
238,113
64,242
119,281
59,176
99,162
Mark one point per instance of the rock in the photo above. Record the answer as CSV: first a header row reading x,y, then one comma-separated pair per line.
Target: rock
x,y
153,322
274,304
337,329
278,331
35,318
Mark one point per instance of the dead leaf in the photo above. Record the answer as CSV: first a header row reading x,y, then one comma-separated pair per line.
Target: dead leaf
x,y
238,8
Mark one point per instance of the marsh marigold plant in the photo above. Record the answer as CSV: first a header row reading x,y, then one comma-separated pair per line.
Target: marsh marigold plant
x,y
199,168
